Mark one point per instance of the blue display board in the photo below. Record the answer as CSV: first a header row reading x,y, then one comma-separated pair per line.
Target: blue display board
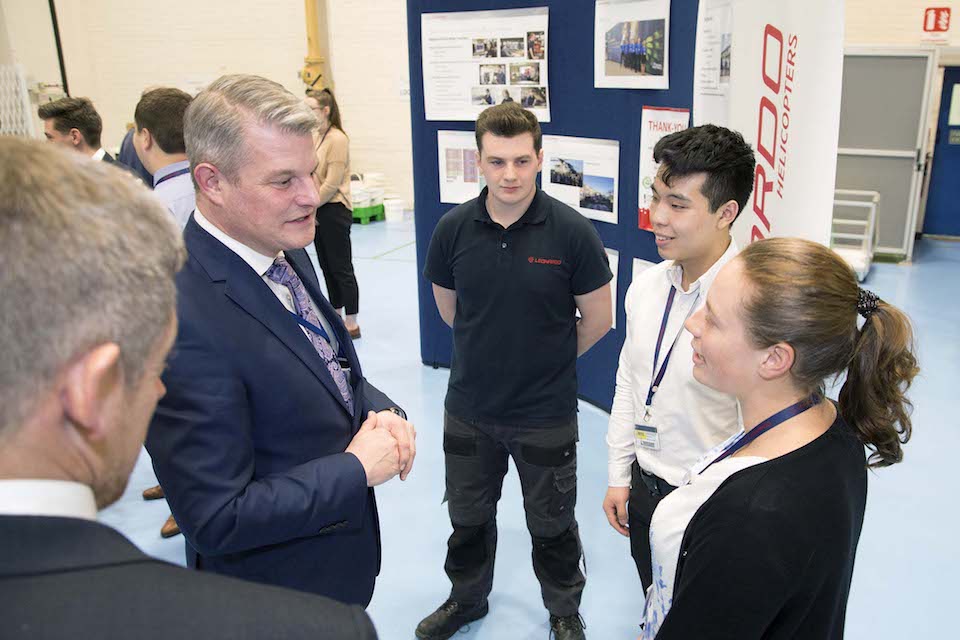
x,y
576,109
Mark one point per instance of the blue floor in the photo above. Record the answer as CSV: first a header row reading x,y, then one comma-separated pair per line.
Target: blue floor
x,y
907,567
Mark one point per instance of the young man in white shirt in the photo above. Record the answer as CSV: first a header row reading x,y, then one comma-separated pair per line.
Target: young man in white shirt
x,y
662,419
158,141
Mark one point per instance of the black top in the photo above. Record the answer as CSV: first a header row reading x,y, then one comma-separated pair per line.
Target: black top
x,y
770,554
514,334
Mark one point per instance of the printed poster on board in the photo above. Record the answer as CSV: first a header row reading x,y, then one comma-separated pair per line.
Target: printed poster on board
x,y
711,68
476,59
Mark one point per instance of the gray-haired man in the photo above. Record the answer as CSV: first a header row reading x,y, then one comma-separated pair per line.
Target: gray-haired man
x,y
269,441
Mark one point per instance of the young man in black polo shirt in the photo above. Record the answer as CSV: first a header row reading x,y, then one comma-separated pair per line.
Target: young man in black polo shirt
x,y
509,271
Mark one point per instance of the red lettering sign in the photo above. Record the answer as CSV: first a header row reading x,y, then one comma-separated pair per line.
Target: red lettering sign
x,y
773,124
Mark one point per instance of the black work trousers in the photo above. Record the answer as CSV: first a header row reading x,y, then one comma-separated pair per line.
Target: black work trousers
x,y
476,457
335,255
646,492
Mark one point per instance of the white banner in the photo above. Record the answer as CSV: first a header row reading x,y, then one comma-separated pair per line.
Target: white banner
x,y
785,85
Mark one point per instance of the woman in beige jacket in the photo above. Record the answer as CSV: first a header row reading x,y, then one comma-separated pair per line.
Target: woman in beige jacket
x,y
335,214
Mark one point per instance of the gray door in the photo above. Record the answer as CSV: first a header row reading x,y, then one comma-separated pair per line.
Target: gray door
x,y
883,113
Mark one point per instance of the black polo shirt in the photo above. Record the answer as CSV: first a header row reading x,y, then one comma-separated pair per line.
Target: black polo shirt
x,y
514,334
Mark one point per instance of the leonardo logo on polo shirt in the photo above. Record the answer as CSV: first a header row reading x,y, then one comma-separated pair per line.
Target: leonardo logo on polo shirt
x,y
553,261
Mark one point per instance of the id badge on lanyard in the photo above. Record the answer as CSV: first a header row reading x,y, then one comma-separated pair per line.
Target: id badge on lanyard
x,y
647,437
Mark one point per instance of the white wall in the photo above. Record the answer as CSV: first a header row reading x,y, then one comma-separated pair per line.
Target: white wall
x,y
6,53
370,77
30,36
114,49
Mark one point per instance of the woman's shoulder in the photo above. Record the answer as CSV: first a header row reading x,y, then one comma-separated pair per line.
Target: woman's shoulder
x,y
825,476
336,134
334,138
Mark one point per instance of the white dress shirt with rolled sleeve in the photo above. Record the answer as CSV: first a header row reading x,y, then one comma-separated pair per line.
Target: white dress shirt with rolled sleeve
x,y
689,418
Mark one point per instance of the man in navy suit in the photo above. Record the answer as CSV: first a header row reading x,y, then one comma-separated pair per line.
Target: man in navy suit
x,y
269,441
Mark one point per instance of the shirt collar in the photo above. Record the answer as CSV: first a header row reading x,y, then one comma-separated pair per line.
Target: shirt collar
x,y
535,213
54,498
675,272
170,168
99,154
257,261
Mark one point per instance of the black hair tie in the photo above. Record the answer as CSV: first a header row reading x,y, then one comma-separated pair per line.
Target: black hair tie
x,y
867,302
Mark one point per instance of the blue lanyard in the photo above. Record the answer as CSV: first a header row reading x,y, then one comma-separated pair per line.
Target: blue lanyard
x,y
320,331
169,176
773,421
658,374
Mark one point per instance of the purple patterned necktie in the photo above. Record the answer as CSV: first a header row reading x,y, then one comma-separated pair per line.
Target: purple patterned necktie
x,y
282,273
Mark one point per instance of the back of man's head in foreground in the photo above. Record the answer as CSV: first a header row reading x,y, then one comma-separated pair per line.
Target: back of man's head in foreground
x,y
87,301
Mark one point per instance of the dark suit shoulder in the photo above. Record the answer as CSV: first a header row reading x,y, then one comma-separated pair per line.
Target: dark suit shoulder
x,y
76,578
153,599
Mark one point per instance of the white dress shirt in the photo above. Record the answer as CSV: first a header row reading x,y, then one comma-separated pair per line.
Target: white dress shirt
x,y
176,193
688,417
261,263
53,498
98,154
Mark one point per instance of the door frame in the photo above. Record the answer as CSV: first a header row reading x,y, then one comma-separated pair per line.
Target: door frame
x,y
946,57
931,54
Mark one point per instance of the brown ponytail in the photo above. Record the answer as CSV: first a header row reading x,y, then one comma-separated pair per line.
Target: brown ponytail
x,y
873,399
806,295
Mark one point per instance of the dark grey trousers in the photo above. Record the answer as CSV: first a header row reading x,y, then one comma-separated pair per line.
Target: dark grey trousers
x,y
546,458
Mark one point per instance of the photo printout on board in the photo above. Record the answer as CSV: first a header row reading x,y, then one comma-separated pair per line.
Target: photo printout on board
x,y
459,171
583,173
631,44
476,59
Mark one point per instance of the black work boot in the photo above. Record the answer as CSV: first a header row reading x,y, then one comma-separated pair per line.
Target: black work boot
x,y
567,627
447,620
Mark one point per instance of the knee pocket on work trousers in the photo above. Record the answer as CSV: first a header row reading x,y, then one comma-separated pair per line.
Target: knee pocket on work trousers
x,y
473,479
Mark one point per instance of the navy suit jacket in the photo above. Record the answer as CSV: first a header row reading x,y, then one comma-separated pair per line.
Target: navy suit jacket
x,y
248,442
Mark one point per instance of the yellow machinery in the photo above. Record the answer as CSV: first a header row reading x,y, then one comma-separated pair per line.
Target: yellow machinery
x,y
312,73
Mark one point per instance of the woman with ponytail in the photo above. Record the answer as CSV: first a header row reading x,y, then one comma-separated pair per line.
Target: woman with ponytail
x,y
335,214
759,541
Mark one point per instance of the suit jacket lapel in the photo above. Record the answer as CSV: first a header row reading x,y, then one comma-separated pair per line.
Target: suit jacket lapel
x,y
248,290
